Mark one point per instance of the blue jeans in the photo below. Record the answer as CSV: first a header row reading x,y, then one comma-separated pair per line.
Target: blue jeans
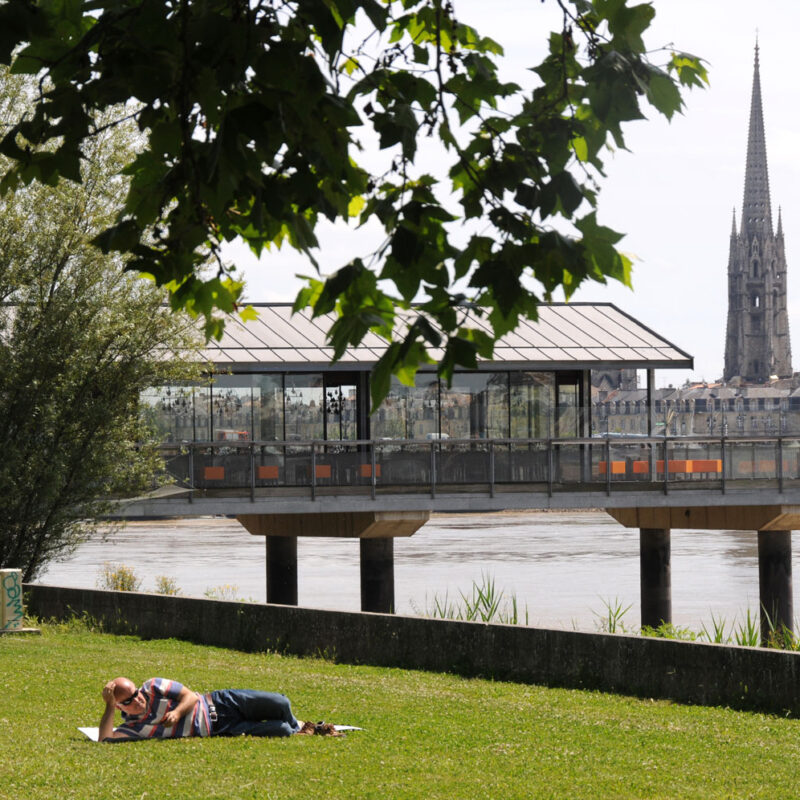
x,y
245,711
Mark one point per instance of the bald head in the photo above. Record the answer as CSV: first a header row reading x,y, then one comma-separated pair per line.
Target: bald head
x,y
123,689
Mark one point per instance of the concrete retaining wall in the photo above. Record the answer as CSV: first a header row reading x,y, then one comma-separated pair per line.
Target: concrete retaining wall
x,y
698,673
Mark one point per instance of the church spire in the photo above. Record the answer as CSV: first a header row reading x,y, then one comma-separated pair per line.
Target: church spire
x,y
756,211
757,343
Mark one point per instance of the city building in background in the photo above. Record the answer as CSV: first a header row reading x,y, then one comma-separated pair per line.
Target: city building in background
x,y
701,409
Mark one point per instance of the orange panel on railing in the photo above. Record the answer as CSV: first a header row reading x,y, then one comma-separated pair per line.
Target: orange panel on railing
x,y
676,465
214,473
322,470
268,472
366,470
617,467
707,465
641,467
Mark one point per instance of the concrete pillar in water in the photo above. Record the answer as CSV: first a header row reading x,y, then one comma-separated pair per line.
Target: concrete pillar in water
x,y
375,529
282,570
655,576
775,581
377,575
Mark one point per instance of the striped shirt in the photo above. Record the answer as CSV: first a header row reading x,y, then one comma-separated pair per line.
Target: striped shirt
x,y
162,696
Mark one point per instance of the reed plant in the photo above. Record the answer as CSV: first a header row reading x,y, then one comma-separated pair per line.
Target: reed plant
x,y
780,636
745,632
484,603
718,633
611,620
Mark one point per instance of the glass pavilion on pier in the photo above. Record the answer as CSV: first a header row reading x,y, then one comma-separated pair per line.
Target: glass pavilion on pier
x,y
276,414
273,381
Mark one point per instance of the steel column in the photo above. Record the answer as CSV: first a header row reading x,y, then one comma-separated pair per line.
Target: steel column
x,y
282,570
377,575
655,576
775,582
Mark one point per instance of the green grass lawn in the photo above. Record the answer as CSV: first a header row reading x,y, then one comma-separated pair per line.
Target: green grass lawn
x,y
427,735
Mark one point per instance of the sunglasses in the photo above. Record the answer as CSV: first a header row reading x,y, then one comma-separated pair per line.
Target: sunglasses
x,y
130,699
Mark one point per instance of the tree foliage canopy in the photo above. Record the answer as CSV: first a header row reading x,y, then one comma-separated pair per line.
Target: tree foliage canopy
x,y
255,112
80,338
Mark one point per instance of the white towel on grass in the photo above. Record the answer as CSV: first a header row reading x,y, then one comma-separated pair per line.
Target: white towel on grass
x,y
94,733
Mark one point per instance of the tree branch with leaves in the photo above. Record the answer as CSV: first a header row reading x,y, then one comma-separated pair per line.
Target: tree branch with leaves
x,y
255,114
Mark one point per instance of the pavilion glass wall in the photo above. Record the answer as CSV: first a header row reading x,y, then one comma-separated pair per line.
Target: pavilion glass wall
x,y
341,406
202,412
304,404
268,407
169,410
409,412
232,407
532,405
302,407
475,406
532,413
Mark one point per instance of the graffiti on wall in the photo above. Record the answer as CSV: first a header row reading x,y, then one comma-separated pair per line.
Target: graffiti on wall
x,y
11,599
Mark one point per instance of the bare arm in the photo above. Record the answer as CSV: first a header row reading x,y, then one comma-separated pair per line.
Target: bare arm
x,y
107,720
186,702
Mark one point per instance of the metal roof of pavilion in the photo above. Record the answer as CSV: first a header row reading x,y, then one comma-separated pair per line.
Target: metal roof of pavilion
x,y
566,336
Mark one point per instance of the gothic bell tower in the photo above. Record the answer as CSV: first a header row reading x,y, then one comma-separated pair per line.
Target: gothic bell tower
x,y
757,343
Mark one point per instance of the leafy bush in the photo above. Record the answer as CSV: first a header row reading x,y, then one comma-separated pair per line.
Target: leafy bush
x,y
167,585
118,578
228,591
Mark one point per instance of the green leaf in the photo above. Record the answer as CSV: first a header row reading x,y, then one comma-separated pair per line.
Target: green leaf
x,y
581,148
251,133
381,375
691,70
121,237
248,314
664,94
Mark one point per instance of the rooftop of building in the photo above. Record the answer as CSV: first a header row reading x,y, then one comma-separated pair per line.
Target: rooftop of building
x,y
566,336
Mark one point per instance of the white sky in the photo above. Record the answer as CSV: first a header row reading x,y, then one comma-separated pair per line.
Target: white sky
x,y
674,192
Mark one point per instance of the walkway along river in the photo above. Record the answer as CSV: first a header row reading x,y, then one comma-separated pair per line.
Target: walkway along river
x,y
564,566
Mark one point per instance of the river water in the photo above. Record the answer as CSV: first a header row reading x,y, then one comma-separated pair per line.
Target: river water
x,y
565,568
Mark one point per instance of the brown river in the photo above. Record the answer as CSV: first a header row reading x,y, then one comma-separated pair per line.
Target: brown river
x,y
565,568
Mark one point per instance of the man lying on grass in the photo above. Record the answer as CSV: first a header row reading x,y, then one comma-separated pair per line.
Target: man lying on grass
x,y
164,709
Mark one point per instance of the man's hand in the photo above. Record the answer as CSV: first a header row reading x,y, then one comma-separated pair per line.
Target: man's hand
x,y
186,703
108,693
107,721
170,718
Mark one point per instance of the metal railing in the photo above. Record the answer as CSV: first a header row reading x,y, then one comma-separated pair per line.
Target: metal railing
x,y
539,465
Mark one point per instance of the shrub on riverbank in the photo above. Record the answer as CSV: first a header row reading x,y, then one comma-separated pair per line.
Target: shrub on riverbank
x,y
427,735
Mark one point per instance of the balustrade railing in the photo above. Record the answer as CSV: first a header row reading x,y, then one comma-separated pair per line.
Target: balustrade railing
x,y
544,465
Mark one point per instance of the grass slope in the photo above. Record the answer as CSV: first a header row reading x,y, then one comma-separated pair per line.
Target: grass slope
x,y
427,735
